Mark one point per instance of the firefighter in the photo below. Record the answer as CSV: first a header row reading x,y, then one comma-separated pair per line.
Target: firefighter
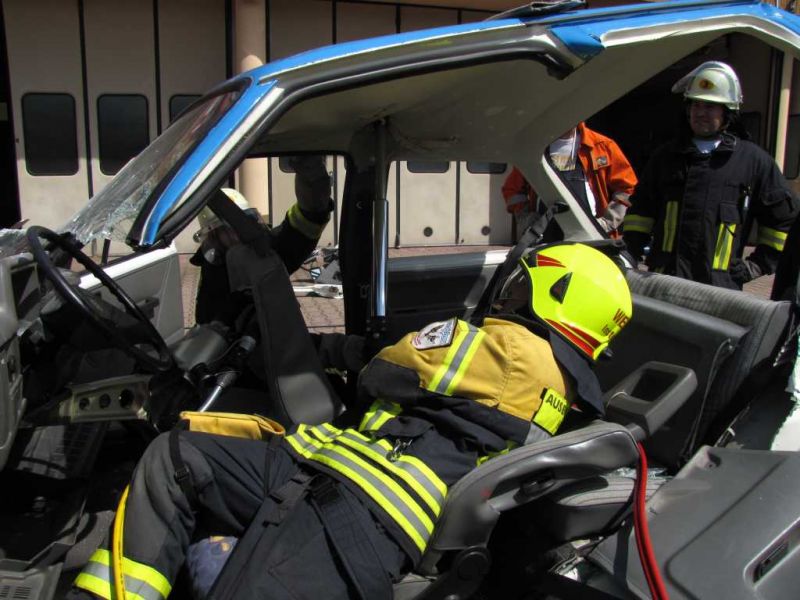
x,y
595,170
701,192
342,510
293,240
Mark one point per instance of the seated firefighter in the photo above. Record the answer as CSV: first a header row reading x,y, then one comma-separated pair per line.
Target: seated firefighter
x,y
293,240
344,509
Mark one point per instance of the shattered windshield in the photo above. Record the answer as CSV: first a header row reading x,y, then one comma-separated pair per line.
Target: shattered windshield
x,y
111,212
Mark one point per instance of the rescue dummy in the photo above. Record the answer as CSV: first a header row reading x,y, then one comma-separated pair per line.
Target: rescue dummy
x,y
345,509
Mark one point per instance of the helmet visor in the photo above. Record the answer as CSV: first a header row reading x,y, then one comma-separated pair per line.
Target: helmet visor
x,y
515,295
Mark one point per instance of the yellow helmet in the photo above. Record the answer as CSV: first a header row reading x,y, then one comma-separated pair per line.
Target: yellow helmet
x,y
574,290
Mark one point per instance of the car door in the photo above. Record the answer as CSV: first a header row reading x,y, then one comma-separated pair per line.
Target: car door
x,y
153,280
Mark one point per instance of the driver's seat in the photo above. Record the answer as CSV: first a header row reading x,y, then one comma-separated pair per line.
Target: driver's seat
x,y
299,389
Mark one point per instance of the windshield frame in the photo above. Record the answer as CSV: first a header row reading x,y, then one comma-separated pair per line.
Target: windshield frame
x,y
114,211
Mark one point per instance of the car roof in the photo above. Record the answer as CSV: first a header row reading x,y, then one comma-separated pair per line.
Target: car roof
x,y
578,38
581,31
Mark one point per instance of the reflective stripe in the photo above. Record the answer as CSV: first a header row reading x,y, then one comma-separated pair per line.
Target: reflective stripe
x,y
516,199
299,221
509,447
141,582
722,251
771,237
670,225
412,471
388,494
417,479
378,414
457,360
638,223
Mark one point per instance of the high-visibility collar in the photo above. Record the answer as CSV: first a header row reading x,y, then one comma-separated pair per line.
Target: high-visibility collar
x,y
403,486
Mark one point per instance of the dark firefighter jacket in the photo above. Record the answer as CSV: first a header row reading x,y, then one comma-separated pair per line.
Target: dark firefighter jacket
x,y
696,211
443,400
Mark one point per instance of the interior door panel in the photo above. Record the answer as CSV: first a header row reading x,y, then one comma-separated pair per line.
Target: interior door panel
x,y
423,289
153,280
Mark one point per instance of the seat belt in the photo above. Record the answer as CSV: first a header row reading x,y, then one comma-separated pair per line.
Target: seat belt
x,y
250,232
532,234
364,568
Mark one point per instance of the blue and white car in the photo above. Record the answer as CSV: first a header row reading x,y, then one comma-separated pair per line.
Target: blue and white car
x,y
76,402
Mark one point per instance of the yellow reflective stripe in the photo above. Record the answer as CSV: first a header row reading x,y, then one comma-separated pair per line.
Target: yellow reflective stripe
x,y
457,360
670,225
463,331
95,585
426,470
399,471
330,429
102,556
146,574
722,251
141,582
473,344
771,237
369,415
638,223
413,472
299,221
509,447
379,413
419,534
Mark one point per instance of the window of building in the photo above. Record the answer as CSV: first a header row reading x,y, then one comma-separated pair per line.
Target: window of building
x,y
180,102
51,134
122,128
428,166
486,168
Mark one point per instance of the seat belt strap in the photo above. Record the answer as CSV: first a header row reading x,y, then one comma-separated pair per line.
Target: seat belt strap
x,y
344,531
248,230
531,235
182,473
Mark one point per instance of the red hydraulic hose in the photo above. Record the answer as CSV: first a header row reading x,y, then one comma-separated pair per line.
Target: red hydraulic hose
x,y
643,543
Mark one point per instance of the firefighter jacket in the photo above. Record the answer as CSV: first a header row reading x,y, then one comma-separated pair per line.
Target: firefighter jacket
x,y
606,168
441,401
696,211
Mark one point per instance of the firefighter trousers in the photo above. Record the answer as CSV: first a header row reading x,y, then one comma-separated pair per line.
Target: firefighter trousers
x,y
232,479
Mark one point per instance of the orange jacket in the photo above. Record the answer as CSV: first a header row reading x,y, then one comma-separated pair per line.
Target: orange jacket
x,y
608,171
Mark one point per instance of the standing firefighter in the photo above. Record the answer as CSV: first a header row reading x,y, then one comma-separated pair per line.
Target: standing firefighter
x,y
342,510
700,193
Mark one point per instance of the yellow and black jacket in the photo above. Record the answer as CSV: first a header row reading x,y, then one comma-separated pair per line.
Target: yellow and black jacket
x,y
441,401
695,211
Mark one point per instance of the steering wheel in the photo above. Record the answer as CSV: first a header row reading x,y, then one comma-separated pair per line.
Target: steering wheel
x,y
80,300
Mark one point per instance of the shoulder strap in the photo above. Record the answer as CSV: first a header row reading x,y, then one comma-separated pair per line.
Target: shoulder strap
x,y
533,234
182,473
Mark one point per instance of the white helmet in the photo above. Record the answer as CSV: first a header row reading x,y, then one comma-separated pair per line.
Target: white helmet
x,y
208,220
712,81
